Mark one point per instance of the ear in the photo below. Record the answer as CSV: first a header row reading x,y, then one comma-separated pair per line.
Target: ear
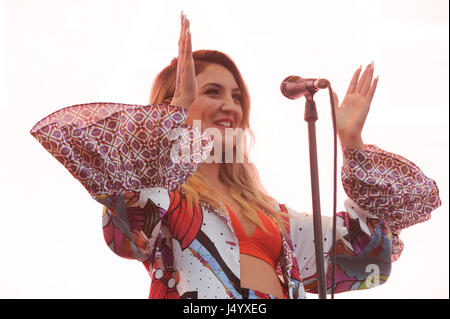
x,y
167,100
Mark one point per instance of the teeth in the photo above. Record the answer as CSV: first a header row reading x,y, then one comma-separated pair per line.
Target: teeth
x,y
226,124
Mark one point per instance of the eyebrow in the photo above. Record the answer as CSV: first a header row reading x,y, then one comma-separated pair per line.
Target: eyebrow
x,y
220,86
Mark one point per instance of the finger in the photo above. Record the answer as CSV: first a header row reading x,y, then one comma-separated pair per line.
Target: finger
x,y
185,54
372,90
180,52
362,80
354,81
181,29
182,35
188,44
187,41
368,81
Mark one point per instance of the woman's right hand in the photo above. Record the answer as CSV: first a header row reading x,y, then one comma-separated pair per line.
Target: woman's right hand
x,y
186,81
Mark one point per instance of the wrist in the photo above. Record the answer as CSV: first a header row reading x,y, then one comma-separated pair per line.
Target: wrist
x,y
182,102
352,142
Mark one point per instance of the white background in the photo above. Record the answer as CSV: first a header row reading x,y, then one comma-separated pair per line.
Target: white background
x,y
56,53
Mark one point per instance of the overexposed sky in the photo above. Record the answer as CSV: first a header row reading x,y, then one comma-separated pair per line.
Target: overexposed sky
x,y
57,53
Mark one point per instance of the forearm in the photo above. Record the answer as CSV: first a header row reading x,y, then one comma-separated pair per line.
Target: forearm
x,y
351,142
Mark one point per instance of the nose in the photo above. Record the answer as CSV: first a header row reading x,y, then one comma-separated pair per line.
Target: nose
x,y
230,106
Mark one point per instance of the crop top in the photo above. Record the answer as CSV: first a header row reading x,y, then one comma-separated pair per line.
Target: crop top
x,y
262,245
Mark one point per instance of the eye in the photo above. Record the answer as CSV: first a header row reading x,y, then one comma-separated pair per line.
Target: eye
x,y
215,92
211,91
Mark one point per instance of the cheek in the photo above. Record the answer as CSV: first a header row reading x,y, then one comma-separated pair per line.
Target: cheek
x,y
194,112
199,110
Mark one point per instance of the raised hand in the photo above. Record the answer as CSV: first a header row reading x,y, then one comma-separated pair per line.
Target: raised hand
x,y
352,113
186,81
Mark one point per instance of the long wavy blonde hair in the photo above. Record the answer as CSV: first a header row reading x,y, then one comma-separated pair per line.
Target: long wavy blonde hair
x,y
242,179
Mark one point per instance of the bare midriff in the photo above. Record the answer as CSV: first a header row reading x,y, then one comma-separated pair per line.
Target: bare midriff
x,y
256,273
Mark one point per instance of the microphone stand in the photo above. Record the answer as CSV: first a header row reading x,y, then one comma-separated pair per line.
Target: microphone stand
x,y
310,117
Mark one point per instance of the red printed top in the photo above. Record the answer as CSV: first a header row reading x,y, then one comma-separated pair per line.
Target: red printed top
x,y
265,246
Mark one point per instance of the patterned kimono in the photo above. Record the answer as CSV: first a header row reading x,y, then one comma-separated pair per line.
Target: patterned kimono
x,y
132,160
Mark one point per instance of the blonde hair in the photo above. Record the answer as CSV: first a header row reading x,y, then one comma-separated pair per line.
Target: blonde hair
x,y
242,179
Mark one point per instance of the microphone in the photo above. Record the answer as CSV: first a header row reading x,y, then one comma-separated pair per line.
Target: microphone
x,y
294,87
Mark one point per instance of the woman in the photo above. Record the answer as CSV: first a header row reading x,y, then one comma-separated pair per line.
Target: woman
x,y
207,229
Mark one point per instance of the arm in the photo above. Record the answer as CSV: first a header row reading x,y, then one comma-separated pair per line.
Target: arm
x,y
131,157
380,186
123,155
391,188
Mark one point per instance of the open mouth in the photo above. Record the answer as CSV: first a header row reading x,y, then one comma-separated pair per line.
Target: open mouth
x,y
224,123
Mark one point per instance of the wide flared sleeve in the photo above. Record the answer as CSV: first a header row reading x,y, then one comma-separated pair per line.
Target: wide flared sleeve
x,y
390,187
387,193
129,158
111,147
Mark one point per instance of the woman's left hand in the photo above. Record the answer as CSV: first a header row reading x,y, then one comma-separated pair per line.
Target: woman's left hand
x,y
352,113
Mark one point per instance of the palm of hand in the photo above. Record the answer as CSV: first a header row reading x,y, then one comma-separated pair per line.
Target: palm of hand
x,y
352,113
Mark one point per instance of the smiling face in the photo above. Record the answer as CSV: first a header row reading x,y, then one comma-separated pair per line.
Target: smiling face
x,y
218,100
